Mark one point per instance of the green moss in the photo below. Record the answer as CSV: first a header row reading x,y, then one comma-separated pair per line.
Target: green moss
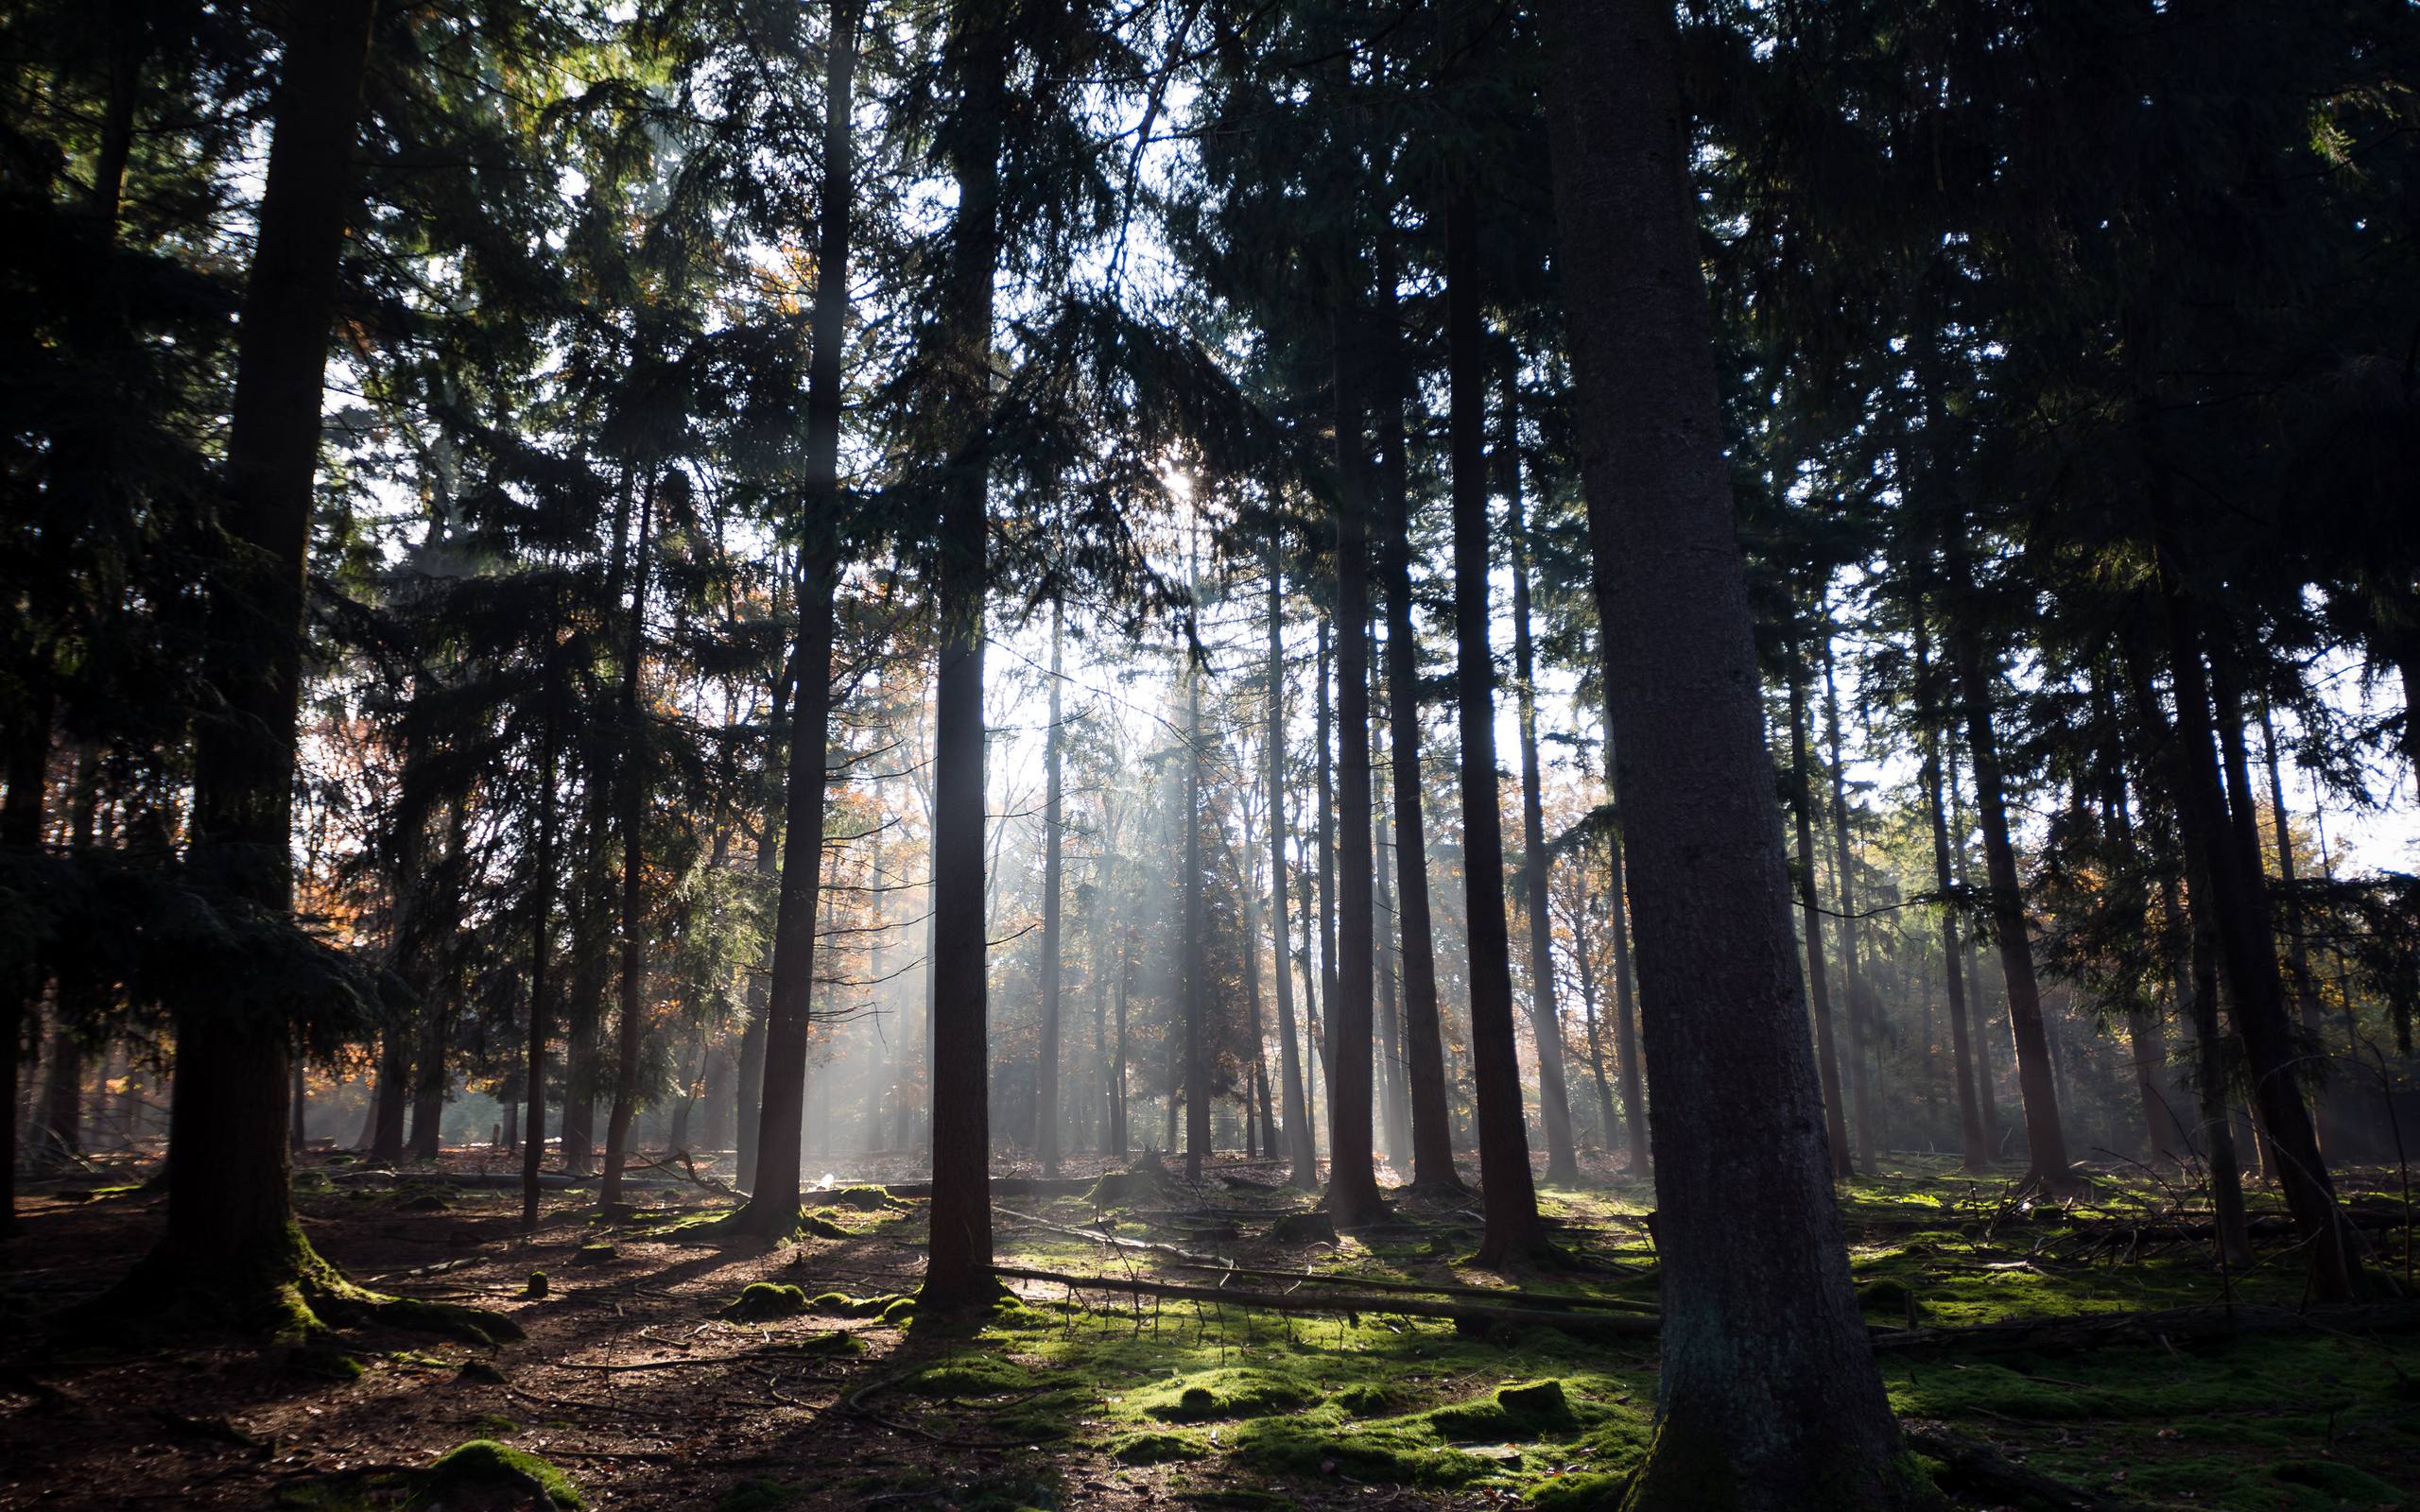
x,y
1588,1491
816,1225
484,1462
1238,1393
762,1302
972,1375
536,1290
862,1198
899,1313
598,1253
1513,1412
1154,1449
493,1425
322,1362
840,1304
2340,1483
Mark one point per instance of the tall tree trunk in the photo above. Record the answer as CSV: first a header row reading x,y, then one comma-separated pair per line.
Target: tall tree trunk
x,y
231,1228
958,1272
1302,1162
541,950
772,1207
1432,1132
2332,1125
2195,973
1986,1079
1585,968
1512,1235
1545,1021
392,1094
1352,1182
2247,951
631,785
1836,1126
1769,1396
1975,1144
1845,891
1046,1078
1197,954
1625,998
1394,1105
2046,1143
1323,1011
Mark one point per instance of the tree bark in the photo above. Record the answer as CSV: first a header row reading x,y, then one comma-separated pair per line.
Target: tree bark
x,y
1512,1235
1394,1105
541,950
1197,954
1769,1397
2333,1128
631,788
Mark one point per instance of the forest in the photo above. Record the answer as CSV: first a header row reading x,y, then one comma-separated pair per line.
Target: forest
x,y
1254,754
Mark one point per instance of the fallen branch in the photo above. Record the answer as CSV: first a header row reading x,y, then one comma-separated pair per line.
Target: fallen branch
x,y
1114,1241
1348,1304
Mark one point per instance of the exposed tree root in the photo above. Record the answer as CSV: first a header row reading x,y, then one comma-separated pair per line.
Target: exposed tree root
x,y
1978,1468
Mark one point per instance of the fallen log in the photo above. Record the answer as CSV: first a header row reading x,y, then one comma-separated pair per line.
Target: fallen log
x,y
1350,1304
1978,1467
1005,1186
2172,1326
1114,1241
1373,1283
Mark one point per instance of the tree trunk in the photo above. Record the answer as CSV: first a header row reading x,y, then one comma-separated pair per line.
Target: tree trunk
x,y
1197,954
1395,1106
1769,1397
772,1207
1432,1133
1302,1162
392,1094
1512,1235
1324,1010
2247,951
1836,1126
1975,1144
1352,1183
2333,1126
1845,891
958,1272
1625,1001
541,948
2045,1141
1545,1021
630,785
231,1230
1586,970
1045,1077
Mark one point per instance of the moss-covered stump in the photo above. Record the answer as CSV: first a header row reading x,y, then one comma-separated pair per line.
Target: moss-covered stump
x,y
1303,1229
287,1294
599,1253
765,1301
485,1474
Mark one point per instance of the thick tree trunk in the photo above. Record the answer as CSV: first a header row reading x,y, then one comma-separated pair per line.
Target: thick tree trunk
x,y
393,1094
231,1230
1302,1163
1432,1133
1836,1126
1975,1144
1352,1182
1545,1021
2247,951
1844,892
1045,1071
1769,1397
1512,1235
2045,1141
958,1272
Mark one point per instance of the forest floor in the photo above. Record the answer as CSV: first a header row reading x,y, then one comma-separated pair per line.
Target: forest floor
x,y
635,1386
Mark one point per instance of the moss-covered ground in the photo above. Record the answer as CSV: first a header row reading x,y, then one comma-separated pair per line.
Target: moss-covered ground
x,y
670,1370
